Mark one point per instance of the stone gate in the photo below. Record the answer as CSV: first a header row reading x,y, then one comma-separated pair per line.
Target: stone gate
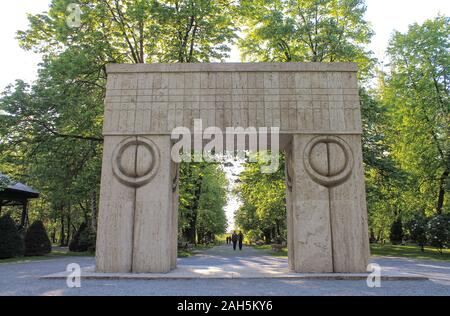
x,y
316,107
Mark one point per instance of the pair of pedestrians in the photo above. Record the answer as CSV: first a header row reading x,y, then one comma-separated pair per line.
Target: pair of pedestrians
x,y
237,239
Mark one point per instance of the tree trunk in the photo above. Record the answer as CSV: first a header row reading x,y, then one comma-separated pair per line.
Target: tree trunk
x,y
62,240
191,231
69,221
442,189
94,211
200,236
53,236
267,237
23,219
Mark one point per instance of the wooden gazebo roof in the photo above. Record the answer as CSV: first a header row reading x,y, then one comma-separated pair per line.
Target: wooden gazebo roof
x,y
17,194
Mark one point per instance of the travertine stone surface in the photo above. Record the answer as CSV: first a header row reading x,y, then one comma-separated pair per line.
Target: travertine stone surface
x,y
328,206
296,97
311,236
116,217
138,221
175,174
349,216
316,106
153,219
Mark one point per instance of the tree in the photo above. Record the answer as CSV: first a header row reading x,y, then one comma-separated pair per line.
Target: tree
x,y
305,30
37,242
418,230
11,243
202,200
415,92
396,235
74,244
439,232
211,219
264,202
51,135
385,180
309,31
83,240
136,31
191,179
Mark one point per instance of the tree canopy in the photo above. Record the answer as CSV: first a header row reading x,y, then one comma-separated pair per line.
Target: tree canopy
x,y
51,130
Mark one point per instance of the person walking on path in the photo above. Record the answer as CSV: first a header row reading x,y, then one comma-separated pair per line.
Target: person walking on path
x,y
234,239
241,239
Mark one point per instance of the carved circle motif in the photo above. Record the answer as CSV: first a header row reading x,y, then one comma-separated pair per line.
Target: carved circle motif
x,y
328,160
135,161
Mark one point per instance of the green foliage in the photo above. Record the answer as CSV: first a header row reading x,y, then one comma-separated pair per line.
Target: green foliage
x,y
263,212
385,180
409,251
137,31
4,182
439,232
211,219
83,240
87,241
51,135
11,243
75,242
396,235
406,135
417,228
415,93
36,240
202,197
305,30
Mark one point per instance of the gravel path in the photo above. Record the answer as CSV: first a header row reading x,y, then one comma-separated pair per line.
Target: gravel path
x,y
23,279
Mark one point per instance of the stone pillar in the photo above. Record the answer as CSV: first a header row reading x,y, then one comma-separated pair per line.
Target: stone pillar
x,y
327,213
116,216
175,177
289,174
138,205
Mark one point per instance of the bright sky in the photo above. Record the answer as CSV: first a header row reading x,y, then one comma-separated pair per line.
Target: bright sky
x,y
385,16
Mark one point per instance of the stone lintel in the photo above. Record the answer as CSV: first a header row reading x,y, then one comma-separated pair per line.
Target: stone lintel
x,y
232,67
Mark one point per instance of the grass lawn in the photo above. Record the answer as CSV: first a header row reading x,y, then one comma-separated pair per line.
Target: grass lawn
x,y
183,253
409,251
54,254
387,250
58,253
268,248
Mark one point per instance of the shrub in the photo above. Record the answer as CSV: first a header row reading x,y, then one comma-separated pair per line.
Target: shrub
x,y
75,242
253,236
87,240
11,243
83,240
37,242
396,235
418,230
438,232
